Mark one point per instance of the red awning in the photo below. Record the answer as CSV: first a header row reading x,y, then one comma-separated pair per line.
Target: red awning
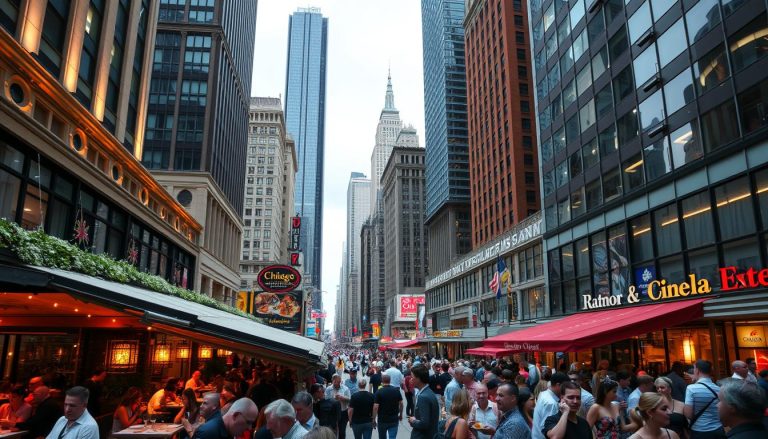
x,y
404,344
483,351
588,330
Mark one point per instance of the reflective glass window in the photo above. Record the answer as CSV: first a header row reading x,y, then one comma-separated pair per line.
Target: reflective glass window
x,y
600,63
589,153
642,242
546,150
564,211
623,84
554,76
618,44
558,140
584,79
563,30
639,22
561,173
645,65
704,264
549,17
611,185
604,102
549,182
594,194
753,103
569,93
9,195
580,45
651,111
743,255
608,141
697,220
551,45
679,91
719,126
582,257
626,127
712,69
730,6
672,42
734,208
633,174
577,12
566,61
613,9
596,26
600,265
761,180
667,228
578,203
749,44
686,144
660,7
575,164
572,128
702,18
657,159
587,115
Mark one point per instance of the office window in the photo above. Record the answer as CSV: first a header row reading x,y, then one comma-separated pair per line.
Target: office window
x,y
712,69
702,18
749,44
645,65
657,159
604,101
623,85
611,185
697,220
53,35
569,93
87,71
719,126
633,174
589,154
580,44
642,242
594,194
679,91
9,15
666,225
639,22
734,208
651,111
672,41
618,45
626,128
753,104
686,144
584,79
608,141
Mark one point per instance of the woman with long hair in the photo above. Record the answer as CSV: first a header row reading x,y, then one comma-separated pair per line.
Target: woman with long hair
x,y
652,413
526,403
129,411
190,410
604,417
456,425
677,420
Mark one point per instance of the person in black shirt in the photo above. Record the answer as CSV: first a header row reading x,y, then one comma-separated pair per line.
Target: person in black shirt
x,y
95,386
375,376
567,424
327,411
361,411
387,408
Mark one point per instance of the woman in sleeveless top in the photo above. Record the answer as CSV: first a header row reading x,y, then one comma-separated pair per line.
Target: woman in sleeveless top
x,y
190,412
129,411
652,412
677,420
604,417
460,408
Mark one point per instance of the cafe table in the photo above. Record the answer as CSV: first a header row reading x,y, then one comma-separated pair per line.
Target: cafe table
x,y
147,431
8,434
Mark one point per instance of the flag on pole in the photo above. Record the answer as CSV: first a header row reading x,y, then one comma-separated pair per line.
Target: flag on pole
x,y
494,284
503,275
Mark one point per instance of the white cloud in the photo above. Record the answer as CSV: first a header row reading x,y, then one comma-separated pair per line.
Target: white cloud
x,y
365,37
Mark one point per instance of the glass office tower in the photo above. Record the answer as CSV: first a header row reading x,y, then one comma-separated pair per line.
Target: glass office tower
x,y
653,149
305,121
445,113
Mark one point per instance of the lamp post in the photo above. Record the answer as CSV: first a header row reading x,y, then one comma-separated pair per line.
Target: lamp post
x,y
487,314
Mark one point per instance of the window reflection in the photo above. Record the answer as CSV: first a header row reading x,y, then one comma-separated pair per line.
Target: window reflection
x,y
672,41
642,245
651,111
697,220
645,65
750,43
678,92
632,171
639,22
702,18
686,144
666,225
734,208
753,104
35,206
711,69
657,159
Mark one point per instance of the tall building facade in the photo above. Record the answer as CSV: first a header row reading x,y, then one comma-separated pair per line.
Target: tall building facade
x,y
270,171
653,168
358,207
305,120
503,165
366,252
445,138
405,240
197,124
68,130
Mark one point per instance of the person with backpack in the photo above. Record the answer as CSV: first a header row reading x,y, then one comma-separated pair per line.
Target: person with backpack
x,y
701,403
456,426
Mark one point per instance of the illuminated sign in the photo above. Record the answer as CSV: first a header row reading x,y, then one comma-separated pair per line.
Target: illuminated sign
x,y
657,290
751,336
409,306
295,232
731,279
451,333
278,278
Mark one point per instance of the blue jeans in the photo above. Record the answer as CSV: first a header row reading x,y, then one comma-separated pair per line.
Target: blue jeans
x,y
362,431
387,428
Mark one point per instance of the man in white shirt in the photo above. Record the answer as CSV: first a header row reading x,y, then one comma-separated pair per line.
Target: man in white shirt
x,y
281,420
484,412
547,404
644,384
76,423
396,377
741,372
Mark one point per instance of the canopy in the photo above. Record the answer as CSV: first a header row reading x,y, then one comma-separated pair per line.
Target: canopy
x,y
404,344
483,351
588,330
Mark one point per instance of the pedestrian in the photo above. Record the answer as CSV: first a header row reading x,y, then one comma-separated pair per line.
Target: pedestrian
x,y
360,411
484,414
327,411
677,421
453,386
44,416
76,423
409,388
566,424
512,423
676,374
526,404
302,403
701,402
340,393
427,413
456,425
741,408
644,384
604,416
387,409
652,414
547,404
351,382
395,374
95,386
281,421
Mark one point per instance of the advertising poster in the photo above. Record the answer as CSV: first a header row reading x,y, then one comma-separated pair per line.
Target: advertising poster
x,y
375,329
644,276
408,306
279,310
311,329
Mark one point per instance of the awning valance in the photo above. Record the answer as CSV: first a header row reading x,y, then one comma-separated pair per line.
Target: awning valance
x,y
405,344
483,351
591,329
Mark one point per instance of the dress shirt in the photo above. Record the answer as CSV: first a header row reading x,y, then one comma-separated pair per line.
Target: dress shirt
x,y
330,393
513,425
488,416
546,406
84,427
296,432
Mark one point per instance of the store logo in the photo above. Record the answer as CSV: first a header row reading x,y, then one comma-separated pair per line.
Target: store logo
x,y
660,289
278,278
731,279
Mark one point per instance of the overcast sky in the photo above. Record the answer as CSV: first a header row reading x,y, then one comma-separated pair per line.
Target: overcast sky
x,y
365,37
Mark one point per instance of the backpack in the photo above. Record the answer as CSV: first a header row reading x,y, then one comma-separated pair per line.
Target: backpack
x,y
442,432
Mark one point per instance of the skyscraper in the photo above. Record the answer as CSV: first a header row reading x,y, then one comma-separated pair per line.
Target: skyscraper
x,y
445,116
305,120
358,206
503,167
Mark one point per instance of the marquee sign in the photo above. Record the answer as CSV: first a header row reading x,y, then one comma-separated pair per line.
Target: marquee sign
x,y
278,278
451,333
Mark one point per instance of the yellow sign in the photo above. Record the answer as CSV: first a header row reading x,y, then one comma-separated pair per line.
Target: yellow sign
x,y
751,336
242,301
451,333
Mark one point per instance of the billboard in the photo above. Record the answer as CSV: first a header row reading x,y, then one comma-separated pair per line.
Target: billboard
x,y
278,278
279,310
408,306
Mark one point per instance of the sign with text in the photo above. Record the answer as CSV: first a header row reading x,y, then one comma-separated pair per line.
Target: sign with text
x,y
451,333
295,232
408,306
751,336
278,278
279,310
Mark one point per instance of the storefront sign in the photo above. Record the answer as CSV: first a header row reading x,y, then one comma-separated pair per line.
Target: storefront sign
x,y
295,233
451,333
522,346
278,278
279,310
525,233
657,290
731,279
751,336
409,305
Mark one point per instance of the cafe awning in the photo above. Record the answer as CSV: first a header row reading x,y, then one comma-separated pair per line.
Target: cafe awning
x,y
165,312
405,344
591,329
483,351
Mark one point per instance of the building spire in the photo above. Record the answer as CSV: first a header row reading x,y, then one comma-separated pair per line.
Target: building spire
x,y
389,103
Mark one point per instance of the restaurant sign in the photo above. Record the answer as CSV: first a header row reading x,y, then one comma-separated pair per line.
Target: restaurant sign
x,y
451,333
279,310
278,278
731,279
751,336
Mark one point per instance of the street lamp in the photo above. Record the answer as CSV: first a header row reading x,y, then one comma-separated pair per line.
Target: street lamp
x,y
486,319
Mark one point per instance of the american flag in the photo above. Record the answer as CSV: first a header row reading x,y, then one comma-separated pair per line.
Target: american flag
x,y
494,283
